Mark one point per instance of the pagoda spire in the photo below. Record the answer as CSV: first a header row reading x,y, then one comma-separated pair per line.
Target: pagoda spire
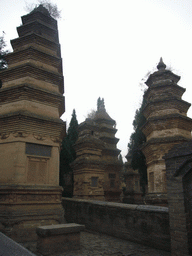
x,y
101,104
161,65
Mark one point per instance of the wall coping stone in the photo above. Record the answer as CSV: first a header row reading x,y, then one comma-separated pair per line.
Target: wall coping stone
x,y
149,208
59,229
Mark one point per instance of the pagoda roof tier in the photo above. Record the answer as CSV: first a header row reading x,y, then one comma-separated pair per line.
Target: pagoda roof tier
x,y
23,121
38,41
166,106
92,125
107,129
111,152
161,75
40,28
33,53
109,140
102,116
88,124
157,148
166,123
112,166
163,91
39,13
85,166
88,141
131,172
31,93
30,70
182,149
165,140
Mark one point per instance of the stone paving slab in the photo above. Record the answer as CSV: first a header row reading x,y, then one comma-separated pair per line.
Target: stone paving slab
x,y
97,244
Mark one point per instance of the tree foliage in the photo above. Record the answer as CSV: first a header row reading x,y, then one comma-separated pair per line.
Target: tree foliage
x,y
3,53
91,114
67,156
100,106
51,7
137,139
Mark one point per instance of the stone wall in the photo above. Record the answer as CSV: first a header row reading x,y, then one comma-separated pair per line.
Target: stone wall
x,y
179,195
143,224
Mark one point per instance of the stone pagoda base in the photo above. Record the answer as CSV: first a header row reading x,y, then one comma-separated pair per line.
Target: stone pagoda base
x,y
158,199
132,198
112,196
23,208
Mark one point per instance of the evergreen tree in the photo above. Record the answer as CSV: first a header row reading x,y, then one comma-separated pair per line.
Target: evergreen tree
x,y
137,138
120,158
3,63
72,133
67,156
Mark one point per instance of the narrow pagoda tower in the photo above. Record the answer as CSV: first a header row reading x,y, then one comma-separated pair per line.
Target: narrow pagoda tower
x,y
97,168
31,102
167,124
107,131
88,168
132,192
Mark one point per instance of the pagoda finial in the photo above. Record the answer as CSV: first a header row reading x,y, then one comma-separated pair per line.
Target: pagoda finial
x,y
100,104
161,65
42,9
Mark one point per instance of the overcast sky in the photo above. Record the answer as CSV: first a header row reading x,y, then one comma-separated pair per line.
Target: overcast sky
x,y
108,47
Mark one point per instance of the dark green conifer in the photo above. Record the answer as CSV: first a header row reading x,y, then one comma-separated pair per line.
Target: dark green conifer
x,y
67,156
3,53
137,139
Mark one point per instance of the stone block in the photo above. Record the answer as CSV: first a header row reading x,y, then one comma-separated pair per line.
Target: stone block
x,y
54,239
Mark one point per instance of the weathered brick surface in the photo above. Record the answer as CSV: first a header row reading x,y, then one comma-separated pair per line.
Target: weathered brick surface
x,y
31,102
166,125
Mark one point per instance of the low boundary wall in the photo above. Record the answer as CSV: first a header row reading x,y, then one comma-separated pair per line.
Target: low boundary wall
x,y
145,224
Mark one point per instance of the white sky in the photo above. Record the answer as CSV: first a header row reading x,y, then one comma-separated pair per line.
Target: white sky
x,y
108,46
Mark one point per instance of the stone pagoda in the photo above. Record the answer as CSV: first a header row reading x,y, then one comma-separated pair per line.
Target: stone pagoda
x,y
31,102
132,193
107,131
97,163
88,169
166,124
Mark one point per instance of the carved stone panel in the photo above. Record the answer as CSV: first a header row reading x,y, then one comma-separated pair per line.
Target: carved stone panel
x,y
37,170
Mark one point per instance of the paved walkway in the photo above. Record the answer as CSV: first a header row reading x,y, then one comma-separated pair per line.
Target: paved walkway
x,y
96,244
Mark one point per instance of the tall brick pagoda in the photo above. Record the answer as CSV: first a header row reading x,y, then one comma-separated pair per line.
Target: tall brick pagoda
x,y
88,169
167,124
107,131
132,193
31,102
96,168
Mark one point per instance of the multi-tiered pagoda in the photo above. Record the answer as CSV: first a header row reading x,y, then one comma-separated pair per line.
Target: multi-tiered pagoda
x,y
31,102
167,124
96,168
107,131
88,169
